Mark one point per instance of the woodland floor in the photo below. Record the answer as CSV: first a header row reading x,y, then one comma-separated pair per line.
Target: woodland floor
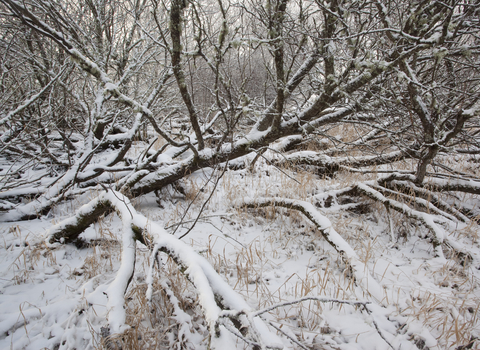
x,y
269,256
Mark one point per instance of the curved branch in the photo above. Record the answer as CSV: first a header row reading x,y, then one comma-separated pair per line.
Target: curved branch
x,y
324,225
439,236
214,293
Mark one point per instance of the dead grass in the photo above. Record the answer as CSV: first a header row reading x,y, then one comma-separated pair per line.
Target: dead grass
x,y
253,268
159,143
257,269
454,319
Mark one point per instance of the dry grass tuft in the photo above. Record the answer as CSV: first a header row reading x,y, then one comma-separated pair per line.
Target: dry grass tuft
x,y
454,319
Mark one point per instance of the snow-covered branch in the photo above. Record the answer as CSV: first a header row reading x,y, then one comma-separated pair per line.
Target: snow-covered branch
x,y
323,224
213,292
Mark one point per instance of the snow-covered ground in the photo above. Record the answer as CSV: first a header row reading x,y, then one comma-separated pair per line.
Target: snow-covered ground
x,y
56,297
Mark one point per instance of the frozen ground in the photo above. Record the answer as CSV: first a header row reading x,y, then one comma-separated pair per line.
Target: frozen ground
x,y
54,298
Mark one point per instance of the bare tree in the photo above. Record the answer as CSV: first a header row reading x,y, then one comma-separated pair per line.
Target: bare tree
x,y
217,81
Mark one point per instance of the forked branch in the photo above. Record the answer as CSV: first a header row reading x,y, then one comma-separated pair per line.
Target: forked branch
x,y
215,295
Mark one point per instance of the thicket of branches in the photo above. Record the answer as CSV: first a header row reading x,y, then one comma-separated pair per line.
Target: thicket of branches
x,y
218,82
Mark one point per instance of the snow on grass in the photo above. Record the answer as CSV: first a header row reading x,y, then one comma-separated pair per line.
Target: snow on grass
x,y
268,256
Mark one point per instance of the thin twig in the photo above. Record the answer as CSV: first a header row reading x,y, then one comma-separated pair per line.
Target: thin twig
x,y
377,328
288,336
120,199
191,203
276,167
205,203
322,300
188,221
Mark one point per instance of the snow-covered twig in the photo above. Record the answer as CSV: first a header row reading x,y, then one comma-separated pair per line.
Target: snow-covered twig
x,y
320,299
333,164
433,199
438,234
288,336
351,258
213,292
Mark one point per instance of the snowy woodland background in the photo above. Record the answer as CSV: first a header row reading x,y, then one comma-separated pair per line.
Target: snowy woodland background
x,y
221,174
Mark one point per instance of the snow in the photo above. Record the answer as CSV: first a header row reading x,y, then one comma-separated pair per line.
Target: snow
x,y
278,257
324,224
470,112
49,298
434,38
111,86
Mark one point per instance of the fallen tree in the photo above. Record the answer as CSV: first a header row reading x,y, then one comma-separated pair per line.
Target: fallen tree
x,y
138,96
